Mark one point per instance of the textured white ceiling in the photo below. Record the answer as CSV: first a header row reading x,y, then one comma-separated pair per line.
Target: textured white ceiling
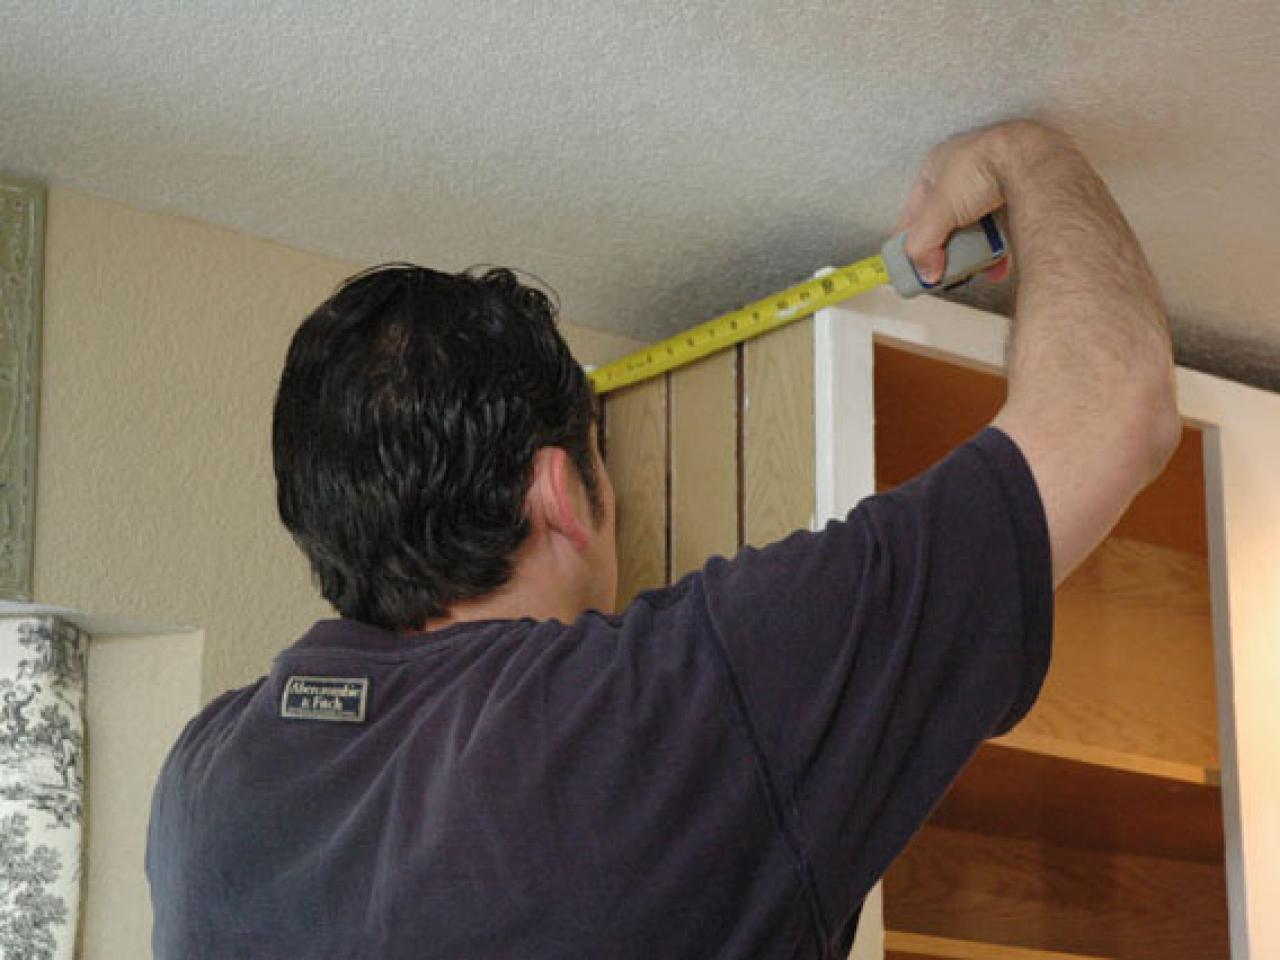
x,y
658,162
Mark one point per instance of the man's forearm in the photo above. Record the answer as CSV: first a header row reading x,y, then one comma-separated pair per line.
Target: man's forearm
x,y
1090,327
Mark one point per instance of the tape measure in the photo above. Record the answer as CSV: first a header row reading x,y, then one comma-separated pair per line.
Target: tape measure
x,y
969,251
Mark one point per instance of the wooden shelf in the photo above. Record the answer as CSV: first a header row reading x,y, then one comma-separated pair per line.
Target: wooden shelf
x,y
1131,683
916,946
1014,792
1047,746
1133,668
967,885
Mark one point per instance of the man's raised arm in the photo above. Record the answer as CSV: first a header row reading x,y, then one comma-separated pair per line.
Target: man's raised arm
x,y
1091,400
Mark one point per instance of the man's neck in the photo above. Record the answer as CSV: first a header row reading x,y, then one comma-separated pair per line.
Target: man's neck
x,y
515,600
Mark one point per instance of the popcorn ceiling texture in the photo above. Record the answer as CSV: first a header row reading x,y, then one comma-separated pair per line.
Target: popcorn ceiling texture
x,y
657,162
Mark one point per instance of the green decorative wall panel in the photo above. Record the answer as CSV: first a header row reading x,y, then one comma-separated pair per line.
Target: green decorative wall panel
x,y
21,266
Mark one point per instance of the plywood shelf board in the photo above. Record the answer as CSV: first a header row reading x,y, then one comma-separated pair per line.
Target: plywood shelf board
x,y
972,886
1113,759
1006,791
900,945
1132,667
1131,683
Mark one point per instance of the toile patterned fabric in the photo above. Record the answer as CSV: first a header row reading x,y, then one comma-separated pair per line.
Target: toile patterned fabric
x,y
42,682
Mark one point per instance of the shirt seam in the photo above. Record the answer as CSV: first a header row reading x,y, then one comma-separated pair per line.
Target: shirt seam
x,y
773,803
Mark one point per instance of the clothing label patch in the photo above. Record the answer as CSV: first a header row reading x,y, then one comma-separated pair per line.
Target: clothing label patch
x,y
325,698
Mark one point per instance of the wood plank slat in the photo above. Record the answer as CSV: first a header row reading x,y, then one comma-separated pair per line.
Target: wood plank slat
x,y
704,469
778,472
636,446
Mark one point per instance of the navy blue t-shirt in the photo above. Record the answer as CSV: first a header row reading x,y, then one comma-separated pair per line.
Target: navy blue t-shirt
x,y
723,770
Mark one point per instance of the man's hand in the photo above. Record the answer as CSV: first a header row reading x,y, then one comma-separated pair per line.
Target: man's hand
x,y
961,181
1091,399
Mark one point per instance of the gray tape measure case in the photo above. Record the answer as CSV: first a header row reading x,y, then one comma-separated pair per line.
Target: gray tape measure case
x,y
969,251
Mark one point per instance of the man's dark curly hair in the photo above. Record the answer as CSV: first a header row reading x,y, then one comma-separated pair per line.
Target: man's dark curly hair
x,y
409,411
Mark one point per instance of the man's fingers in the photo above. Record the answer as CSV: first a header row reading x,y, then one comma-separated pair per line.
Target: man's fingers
x,y
962,196
926,238
955,188
1000,271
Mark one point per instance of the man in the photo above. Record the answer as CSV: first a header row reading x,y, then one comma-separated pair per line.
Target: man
x,y
481,760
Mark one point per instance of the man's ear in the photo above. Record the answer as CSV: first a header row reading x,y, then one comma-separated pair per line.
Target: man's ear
x,y
557,497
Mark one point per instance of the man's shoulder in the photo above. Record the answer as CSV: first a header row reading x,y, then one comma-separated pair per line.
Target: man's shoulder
x,y
220,712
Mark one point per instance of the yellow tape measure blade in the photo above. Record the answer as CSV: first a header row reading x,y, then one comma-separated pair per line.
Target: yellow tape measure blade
x,y
778,310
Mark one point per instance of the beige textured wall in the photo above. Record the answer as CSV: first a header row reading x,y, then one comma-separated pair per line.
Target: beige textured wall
x,y
142,690
163,343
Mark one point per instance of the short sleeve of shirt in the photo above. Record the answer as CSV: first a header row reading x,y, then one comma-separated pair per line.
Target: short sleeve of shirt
x,y
871,660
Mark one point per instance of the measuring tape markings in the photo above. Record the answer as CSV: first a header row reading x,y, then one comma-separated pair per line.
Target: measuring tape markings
x,y
969,251
751,321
